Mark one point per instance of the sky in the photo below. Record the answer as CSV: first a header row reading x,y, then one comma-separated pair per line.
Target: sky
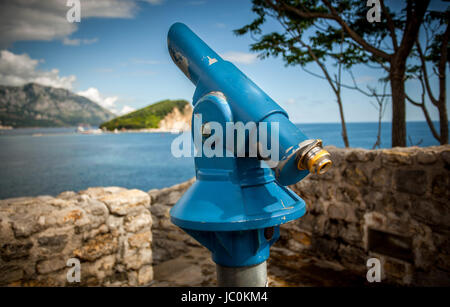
x,y
117,56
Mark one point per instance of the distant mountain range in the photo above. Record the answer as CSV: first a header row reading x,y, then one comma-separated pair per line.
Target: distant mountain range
x,y
166,115
34,105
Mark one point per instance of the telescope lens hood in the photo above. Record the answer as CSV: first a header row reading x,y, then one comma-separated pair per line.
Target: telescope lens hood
x,y
312,157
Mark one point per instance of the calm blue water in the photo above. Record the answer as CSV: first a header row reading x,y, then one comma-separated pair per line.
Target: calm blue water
x,y
364,135
52,160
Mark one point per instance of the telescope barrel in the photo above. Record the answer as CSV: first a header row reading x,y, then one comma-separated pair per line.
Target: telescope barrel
x,y
189,52
248,103
209,72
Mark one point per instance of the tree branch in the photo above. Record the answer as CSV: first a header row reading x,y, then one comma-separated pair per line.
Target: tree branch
x,y
299,12
390,24
355,36
417,104
414,19
442,64
425,73
330,16
424,109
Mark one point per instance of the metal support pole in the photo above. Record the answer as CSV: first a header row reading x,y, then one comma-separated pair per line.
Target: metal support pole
x,y
248,276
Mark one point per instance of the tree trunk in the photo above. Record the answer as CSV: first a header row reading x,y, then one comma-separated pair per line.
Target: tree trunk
x,y
443,121
380,116
442,107
415,11
396,77
344,126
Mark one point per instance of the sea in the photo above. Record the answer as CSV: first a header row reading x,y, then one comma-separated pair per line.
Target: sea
x,y
48,161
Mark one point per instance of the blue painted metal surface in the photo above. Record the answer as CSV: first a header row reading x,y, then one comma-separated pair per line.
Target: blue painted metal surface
x,y
236,205
209,72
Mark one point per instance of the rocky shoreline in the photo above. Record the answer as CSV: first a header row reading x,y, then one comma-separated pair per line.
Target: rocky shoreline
x,y
369,200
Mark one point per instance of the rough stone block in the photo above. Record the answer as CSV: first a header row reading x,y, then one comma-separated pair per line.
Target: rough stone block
x,y
324,247
10,273
25,226
426,157
400,271
160,210
104,244
440,186
306,222
347,194
358,155
381,178
16,250
352,257
434,213
134,223
145,275
355,176
51,265
445,156
391,156
121,201
55,243
302,237
337,211
136,258
351,233
411,181
140,240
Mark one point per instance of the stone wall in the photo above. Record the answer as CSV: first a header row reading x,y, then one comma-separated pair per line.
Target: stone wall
x,y
107,229
178,260
169,241
390,204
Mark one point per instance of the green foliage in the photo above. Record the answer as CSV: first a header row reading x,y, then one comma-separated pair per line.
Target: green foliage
x,y
148,117
313,23
339,31
322,36
435,23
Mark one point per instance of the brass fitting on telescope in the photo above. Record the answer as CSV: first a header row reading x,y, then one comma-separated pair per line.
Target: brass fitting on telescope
x,y
313,157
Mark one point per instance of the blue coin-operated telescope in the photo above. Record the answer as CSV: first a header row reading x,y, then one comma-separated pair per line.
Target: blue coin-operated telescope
x,y
239,200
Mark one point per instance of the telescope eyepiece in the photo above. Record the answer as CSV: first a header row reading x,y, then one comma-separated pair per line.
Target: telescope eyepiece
x,y
314,158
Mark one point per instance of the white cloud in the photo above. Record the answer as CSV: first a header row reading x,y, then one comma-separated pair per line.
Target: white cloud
x,y
107,8
77,41
240,57
126,110
46,20
106,102
18,69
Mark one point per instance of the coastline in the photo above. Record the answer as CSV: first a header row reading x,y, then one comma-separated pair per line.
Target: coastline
x,y
149,130
97,130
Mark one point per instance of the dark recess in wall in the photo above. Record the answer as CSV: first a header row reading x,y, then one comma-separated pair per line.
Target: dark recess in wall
x,y
399,247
